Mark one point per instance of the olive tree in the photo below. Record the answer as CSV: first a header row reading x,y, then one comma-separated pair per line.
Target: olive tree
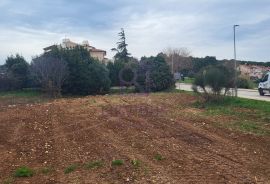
x,y
213,82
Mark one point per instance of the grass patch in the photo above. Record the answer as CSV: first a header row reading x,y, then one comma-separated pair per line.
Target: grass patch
x,y
26,93
94,164
240,102
24,172
158,157
187,80
71,168
250,127
117,162
246,115
122,90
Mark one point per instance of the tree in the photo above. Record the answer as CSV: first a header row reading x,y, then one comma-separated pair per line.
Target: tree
x,y
121,50
122,73
18,70
212,80
86,75
50,72
199,63
114,70
153,74
179,59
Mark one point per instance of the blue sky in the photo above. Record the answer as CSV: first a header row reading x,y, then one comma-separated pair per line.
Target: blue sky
x,y
203,26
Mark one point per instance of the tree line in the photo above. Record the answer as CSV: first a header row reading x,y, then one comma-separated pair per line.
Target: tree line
x,y
74,71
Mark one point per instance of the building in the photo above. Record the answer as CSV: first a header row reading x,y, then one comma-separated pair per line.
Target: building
x,y
95,53
253,71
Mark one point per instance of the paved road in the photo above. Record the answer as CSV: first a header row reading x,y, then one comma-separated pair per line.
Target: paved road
x,y
244,93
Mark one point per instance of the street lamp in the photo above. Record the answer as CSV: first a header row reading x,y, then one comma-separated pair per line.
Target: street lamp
x,y
235,66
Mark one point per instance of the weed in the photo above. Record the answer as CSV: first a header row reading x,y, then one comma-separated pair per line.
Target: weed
x,y
94,164
117,162
158,157
24,172
135,163
250,127
71,168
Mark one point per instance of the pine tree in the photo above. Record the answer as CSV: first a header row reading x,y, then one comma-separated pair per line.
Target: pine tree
x,y
122,52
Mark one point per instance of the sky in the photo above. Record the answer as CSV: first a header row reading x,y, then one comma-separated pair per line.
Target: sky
x,y
205,27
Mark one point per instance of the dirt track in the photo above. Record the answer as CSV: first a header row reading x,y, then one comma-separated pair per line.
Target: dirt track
x,y
65,132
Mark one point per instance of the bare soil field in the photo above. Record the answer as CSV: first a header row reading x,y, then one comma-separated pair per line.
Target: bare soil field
x,y
161,138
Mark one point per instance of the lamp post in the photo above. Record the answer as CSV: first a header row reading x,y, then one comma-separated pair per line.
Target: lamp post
x,y
235,65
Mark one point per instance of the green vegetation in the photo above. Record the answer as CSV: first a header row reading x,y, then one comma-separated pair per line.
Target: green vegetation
x,y
250,116
158,157
246,83
94,164
119,90
71,168
188,80
212,80
85,74
154,75
250,127
117,162
23,93
16,73
24,172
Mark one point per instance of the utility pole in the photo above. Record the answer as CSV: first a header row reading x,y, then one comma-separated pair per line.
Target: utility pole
x,y
172,63
235,65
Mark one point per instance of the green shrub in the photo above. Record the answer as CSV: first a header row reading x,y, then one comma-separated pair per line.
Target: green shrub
x,y
24,172
245,83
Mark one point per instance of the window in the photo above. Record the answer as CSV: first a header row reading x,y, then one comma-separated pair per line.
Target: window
x,y
265,78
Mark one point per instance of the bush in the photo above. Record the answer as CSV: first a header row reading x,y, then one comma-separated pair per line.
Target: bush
x,y
245,83
212,80
154,75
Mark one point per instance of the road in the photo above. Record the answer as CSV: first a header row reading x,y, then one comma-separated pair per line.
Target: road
x,y
244,93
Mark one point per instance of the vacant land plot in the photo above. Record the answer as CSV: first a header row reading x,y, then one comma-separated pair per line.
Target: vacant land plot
x,y
156,138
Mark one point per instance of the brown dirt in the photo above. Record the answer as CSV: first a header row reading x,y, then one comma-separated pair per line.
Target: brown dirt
x,y
76,131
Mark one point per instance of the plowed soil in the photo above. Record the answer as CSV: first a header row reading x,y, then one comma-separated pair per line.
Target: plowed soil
x,y
76,131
